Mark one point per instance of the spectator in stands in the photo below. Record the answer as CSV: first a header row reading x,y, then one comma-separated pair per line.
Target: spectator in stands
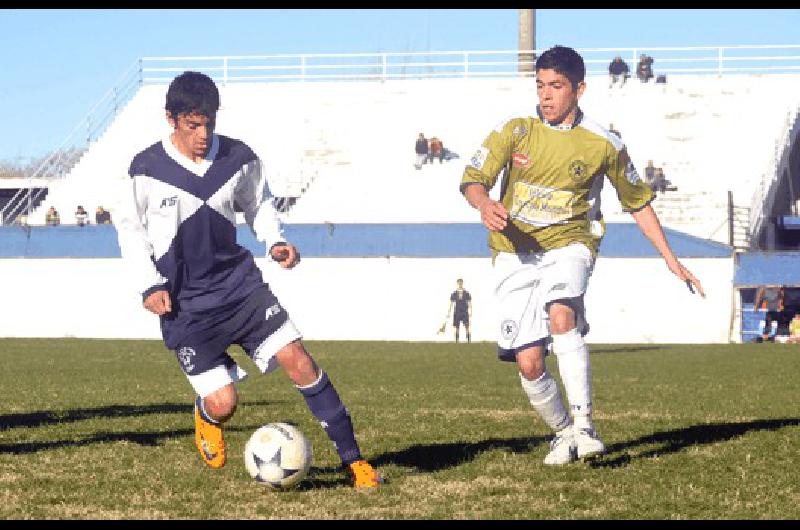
x,y
611,129
81,216
794,330
544,250
661,183
447,154
52,218
102,216
618,71
421,149
644,70
205,288
436,150
769,298
650,175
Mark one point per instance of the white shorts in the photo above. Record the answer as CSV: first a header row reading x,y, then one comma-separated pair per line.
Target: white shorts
x,y
524,286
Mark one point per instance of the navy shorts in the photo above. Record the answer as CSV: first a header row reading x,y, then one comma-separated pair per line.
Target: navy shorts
x,y
463,318
200,342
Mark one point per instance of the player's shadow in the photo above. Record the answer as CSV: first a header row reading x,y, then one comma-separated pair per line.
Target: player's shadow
x,y
47,417
427,457
434,457
667,442
624,349
153,438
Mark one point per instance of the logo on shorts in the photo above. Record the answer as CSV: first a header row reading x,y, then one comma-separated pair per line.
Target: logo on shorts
x,y
272,310
509,329
185,356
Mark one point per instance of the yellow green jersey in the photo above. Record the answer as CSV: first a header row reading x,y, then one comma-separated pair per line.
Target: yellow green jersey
x,y
794,327
553,176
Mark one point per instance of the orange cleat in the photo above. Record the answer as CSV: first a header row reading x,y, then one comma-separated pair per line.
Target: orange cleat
x,y
363,475
209,440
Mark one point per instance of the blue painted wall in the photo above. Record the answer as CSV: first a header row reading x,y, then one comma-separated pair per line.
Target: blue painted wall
x,y
428,240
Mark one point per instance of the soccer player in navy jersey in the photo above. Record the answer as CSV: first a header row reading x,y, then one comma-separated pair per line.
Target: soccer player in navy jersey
x,y
178,234
461,307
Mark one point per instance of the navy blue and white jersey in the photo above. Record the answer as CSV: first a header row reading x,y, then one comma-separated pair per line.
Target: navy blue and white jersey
x,y
178,229
461,300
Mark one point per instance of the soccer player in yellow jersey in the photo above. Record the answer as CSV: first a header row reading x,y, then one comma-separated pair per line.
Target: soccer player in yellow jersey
x,y
544,233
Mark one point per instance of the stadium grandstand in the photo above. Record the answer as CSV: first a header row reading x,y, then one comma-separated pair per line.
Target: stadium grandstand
x,y
336,133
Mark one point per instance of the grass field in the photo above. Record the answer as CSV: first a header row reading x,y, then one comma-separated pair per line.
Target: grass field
x,y
103,429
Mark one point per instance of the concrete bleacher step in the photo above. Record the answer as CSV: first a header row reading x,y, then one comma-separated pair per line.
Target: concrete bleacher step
x,y
326,143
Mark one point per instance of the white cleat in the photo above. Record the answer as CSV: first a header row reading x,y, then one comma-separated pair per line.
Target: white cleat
x,y
588,443
562,450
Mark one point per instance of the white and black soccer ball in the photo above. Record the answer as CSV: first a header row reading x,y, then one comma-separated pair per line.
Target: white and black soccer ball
x,y
278,455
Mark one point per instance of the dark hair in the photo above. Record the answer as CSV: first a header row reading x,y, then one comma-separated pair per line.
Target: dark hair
x,y
192,92
565,61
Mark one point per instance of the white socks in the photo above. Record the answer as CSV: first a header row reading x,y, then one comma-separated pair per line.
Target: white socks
x,y
546,400
573,365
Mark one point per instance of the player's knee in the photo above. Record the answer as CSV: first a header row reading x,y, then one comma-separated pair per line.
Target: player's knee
x,y
531,363
297,363
562,318
221,404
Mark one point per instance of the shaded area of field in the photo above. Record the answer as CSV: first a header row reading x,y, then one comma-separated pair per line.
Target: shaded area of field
x,y
103,429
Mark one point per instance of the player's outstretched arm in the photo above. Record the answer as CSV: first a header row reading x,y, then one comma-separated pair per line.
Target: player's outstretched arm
x,y
650,226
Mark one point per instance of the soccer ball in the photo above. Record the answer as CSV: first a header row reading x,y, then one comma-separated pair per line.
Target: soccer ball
x,y
278,455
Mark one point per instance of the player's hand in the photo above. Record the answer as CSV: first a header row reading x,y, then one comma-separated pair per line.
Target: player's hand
x,y
494,215
158,302
684,274
285,254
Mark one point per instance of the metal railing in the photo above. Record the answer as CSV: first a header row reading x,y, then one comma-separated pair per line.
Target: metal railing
x,y
704,60
764,195
64,157
707,60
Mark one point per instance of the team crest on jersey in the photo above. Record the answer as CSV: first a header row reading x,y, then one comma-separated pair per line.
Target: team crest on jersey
x,y
520,160
479,158
578,170
186,356
509,329
519,130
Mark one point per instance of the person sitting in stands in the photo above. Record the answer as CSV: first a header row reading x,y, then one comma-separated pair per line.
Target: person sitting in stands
x,y
102,216
81,216
618,71
644,70
52,218
794,330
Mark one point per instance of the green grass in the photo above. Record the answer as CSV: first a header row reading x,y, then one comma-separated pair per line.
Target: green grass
x,y
103,429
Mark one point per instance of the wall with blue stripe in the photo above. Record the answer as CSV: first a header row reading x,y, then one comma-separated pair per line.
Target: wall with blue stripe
x,y
423,240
